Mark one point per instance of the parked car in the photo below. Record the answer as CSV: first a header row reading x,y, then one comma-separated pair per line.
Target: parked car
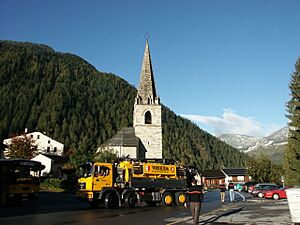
x,y
277,194
238,187
262,186
261,193
248,184
251,188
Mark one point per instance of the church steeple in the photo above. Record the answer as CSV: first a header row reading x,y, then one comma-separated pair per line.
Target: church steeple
x,y
147,113
146,94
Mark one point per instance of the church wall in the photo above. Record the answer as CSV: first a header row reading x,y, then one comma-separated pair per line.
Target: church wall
x,y
123,151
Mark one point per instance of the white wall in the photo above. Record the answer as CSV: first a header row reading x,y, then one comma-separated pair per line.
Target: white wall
x,y
121,151
47,162
44,143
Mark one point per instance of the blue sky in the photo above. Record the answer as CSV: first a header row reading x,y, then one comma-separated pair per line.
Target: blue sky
x,y
225,65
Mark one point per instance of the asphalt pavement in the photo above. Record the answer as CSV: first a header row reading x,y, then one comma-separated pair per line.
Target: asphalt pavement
x,y
250,212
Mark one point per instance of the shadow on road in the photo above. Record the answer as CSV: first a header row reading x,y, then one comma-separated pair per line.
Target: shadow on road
x,y
58,202
214,218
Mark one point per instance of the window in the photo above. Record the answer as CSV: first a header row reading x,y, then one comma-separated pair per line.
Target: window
x,y
148,118
240,178
101,171
55,149
38,137
31,135
48,149
49,142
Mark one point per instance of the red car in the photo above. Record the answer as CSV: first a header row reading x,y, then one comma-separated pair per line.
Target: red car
x,y
251,188
262,193
276,194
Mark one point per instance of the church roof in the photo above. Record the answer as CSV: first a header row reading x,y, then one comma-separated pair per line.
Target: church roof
x,y
125,137
147,85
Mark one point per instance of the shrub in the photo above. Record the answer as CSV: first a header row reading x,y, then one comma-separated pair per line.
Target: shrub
x,y
51,184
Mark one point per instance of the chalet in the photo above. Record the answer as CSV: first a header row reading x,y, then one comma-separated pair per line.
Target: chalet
x,y
236,175
213,178
43,143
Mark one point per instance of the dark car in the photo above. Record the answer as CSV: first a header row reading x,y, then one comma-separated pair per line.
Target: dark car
x,y
247,185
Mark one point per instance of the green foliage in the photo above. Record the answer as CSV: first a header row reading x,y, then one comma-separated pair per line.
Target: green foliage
x,y
22,146
51,184
64,96
105,155
262,170
292,151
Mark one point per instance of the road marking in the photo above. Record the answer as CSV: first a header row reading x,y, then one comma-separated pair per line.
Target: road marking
x,y
241,196
179,221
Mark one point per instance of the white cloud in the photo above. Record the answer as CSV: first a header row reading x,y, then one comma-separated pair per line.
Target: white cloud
x,y
232,123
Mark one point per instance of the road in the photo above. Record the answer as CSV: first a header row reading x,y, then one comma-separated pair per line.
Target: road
x,y
64,209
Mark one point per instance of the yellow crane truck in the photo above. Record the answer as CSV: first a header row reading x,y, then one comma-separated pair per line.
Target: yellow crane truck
x,y
127,183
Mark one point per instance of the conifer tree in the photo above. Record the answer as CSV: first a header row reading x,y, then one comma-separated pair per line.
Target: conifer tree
x,y
292,151
22,147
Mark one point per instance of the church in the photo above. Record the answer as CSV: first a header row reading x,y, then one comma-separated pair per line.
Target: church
x,y
144,139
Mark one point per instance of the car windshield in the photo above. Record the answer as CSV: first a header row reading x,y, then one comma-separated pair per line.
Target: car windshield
x,y
85,170
264,187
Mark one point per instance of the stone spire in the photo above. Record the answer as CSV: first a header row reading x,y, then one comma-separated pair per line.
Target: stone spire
x,y
147,92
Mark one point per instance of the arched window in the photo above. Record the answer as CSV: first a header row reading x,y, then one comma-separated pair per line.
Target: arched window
x,y
148,117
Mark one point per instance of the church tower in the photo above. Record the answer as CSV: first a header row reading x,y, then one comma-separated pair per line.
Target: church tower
x,y
147,111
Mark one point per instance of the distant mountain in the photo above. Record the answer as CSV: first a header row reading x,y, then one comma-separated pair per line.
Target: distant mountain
x,y
241,142
272,145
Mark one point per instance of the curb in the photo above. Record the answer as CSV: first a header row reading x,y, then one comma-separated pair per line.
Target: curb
x,y
213,215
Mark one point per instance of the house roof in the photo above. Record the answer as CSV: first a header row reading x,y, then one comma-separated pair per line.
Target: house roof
x,y
213,174
56,158
235,171
125,137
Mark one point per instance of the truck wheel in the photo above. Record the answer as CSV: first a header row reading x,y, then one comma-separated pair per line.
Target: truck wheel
x,y
180,198
167,199
130,200
111,201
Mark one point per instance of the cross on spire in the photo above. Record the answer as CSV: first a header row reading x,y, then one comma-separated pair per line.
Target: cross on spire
x,y
147,36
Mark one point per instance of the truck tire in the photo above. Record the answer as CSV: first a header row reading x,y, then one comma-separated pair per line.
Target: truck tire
x,y
180,198
130,200
167,199
111,201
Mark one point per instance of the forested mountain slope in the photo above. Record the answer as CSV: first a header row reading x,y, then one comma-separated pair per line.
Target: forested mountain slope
x,y
66,97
